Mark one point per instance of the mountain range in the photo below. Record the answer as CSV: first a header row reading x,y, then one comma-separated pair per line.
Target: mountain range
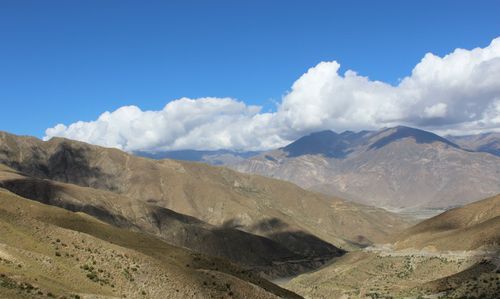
x,y
205,208
83,221
402,169
486,142
398,168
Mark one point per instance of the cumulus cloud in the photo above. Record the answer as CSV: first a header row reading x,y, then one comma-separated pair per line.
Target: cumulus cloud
x,y
436,110
208,123
458,93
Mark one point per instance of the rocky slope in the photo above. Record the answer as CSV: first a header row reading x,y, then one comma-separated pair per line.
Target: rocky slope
x,y
48,252
279,211
470,227
452,255
396,168
487,142
261,254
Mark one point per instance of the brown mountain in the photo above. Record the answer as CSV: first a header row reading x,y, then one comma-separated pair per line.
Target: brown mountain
x,y
262,254
143,194
395,168
49,252
452,255
466,228
486,142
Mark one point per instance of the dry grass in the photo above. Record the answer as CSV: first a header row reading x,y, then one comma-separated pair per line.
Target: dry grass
x,y
56,252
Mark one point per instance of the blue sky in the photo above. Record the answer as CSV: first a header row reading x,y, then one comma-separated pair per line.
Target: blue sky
x,y
64,61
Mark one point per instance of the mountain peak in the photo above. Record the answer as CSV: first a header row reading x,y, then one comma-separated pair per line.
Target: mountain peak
x,y
322,134
400,132
325,142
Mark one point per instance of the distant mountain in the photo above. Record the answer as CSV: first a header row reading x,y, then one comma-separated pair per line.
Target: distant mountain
x,y
388,136
193,204
466,228
326,143
396,168
487,142
216,157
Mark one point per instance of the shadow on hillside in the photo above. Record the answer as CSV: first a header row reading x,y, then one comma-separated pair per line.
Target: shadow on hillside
x,y
268,225
67,164
47,192
275,253
420,136
298,241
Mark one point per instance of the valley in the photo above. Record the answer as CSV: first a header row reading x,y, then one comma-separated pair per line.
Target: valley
x,y
249,149
409,171
443,257
399,169
223,224
48,252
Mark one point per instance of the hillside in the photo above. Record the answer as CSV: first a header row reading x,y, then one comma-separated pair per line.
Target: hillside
x,y
261,254
466,228
396,168
486,142
452,255
274,209
51,252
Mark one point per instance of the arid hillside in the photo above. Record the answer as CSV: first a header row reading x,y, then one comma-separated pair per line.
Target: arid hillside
x,y
259,253
49,252
452,255
271,208
398,168
466,228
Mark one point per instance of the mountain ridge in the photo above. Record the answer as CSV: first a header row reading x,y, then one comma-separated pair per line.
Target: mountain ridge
x,y
394,168
452,255
218,196
485,142
46,251
177,229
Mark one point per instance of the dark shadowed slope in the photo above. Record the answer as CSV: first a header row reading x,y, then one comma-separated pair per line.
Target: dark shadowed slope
x,y
256,252
216,195
401,132
50,252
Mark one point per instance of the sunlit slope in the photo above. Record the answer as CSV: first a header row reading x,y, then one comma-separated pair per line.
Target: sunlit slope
x,y
451,255
275,209
466,228
257,252
48,251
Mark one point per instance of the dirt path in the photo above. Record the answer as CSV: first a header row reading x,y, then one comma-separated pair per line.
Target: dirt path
x,y
388,250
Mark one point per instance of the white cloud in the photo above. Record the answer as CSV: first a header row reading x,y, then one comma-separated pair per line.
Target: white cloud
x,y
436,110
457,93
209,123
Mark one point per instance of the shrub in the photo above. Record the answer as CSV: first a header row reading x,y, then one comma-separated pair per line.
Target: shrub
x,y
92,276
